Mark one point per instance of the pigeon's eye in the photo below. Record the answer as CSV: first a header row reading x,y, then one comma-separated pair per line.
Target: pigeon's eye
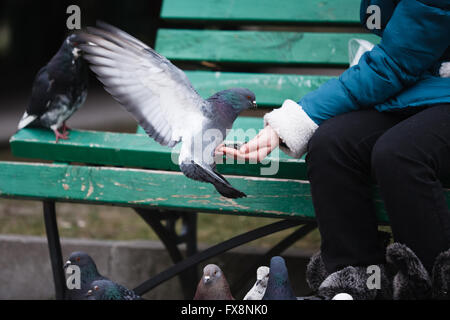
x,y
96,288
249,98
78,259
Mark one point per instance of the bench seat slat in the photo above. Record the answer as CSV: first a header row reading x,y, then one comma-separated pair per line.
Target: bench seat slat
x,y
136,150
262,47
270,89
134,187
263,11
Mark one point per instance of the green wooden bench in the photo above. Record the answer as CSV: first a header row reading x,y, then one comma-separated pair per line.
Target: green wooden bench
x,y
131,170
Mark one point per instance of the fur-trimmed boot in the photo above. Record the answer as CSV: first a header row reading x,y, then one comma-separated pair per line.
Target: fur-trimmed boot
x,y
411,281
441,277
348,281
353,281
358,282
316,272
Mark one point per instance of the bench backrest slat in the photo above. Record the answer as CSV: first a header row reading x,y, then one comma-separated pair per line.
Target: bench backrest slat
x,y
262,11
270,89
262,47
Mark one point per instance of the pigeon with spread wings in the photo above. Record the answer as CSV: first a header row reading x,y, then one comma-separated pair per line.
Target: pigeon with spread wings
x,y
163,101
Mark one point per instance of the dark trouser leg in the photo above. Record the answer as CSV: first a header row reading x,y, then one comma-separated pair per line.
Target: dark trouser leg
x,y
339,155
408,162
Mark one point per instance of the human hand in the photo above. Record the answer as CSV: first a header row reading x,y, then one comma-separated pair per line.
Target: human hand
x,y
256,149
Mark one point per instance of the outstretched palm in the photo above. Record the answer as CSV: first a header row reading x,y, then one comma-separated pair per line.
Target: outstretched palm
x,y
256,149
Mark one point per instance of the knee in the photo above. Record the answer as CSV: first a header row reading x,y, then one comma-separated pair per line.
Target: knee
x,y
383,156
392,157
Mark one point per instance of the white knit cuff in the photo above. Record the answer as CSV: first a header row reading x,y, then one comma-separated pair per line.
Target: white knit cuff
x,y
293,126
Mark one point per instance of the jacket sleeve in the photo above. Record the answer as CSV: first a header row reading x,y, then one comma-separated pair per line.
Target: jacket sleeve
x,y
414,39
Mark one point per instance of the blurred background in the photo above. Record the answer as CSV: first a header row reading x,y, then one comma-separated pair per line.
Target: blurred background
x,y
30,34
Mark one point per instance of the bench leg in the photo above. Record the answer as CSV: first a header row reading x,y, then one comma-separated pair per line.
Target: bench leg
x,y
169,237
54,247
189,237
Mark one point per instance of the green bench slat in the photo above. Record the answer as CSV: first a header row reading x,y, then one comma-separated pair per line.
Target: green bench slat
x,y
264,47
135,187
270,89
263,11
138,150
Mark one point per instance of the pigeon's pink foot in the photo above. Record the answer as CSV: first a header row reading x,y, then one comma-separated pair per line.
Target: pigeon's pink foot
x,y
65,128
63,136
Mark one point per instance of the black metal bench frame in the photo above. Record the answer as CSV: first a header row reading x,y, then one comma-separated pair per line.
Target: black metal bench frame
x,y
184,267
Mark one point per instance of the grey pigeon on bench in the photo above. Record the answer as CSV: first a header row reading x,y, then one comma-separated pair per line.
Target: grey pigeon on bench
x,y
163,101
109,290
59,89
213,285
259,288
278,286
89,274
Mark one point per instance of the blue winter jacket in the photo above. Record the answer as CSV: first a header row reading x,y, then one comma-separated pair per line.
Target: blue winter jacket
x,y
401,71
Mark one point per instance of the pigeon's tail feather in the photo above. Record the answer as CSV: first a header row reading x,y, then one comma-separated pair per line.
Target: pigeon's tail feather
x,y
201,173
226,189
26,120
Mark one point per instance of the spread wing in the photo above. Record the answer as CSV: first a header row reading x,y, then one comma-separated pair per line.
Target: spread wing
x,y
150,87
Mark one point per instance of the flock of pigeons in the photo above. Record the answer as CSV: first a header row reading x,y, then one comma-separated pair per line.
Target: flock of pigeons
x,y
402,278
271,283
154,91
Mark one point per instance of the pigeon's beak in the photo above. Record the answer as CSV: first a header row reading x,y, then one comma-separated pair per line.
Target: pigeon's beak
x,y
206,279
68,263
89,293
77,39
254,106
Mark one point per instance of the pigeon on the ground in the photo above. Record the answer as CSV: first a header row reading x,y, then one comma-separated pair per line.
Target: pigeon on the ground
x,y
278,286
109,290
162,100
441,276
213,285
259,288
59,89
411,280
89,273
